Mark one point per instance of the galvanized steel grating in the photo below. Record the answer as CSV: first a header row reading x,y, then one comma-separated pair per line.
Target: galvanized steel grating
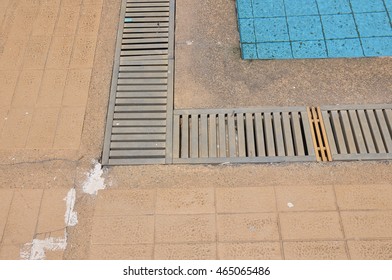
x,y
139,117
242,135
359,132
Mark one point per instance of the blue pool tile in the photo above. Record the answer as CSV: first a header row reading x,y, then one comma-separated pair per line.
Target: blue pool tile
x,y
305,28
274,50
301,7
331,7
367,6
373,24
268,8
247,31
249,51
377,46
244,9
344,48
339,26
309,49
271,29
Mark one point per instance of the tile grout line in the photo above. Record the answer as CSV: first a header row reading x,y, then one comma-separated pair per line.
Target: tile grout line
x,y
356,28
155,224
217,256
279,225
74,35
8,214
43,75
341,222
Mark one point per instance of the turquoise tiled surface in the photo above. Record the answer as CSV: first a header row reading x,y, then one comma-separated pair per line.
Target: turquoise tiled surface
x,y
287,29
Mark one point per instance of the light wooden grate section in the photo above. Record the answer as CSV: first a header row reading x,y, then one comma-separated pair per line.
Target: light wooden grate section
x,y
320,140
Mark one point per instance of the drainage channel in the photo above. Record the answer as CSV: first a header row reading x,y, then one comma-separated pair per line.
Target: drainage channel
x,y
143,128
139,118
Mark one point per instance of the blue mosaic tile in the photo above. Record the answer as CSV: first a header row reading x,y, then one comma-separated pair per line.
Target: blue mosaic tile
x,y
305,28
274,50
344,48
301,7
249,51
334,7
244,9
373,24
300,29
247,31
339,26
268,8
271,29
367,6
309,49
380,46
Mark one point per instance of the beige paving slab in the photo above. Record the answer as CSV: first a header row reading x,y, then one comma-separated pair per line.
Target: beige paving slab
x,y
22,218
5,203
310,225
242,200
305,198
27,89
52,88
12,56
60,52
54,255
8,81
315,250
123,230
248,227
83,52
198,251
43,128
249,251
72,3
52,212
363,197
77,87
36,52
185,201
90,17
121,252
367,224
46,19
10,252
370,249
184,228
67,21
125,202
69,128
16,128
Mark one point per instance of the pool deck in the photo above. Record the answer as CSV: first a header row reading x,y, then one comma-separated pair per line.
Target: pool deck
x,y
54,88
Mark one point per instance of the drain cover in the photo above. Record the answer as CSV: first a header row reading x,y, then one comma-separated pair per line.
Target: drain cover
x,y
359,132
242,135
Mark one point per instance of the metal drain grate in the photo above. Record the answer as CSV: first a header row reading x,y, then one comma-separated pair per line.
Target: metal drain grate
x,y
359,132
141,102
242,135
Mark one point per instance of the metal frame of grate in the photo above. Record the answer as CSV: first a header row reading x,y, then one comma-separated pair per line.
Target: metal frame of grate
x,y
143,127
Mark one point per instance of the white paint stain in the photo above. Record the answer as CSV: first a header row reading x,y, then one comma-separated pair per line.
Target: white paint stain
x,y
290,205
70,216
94,181
37,248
